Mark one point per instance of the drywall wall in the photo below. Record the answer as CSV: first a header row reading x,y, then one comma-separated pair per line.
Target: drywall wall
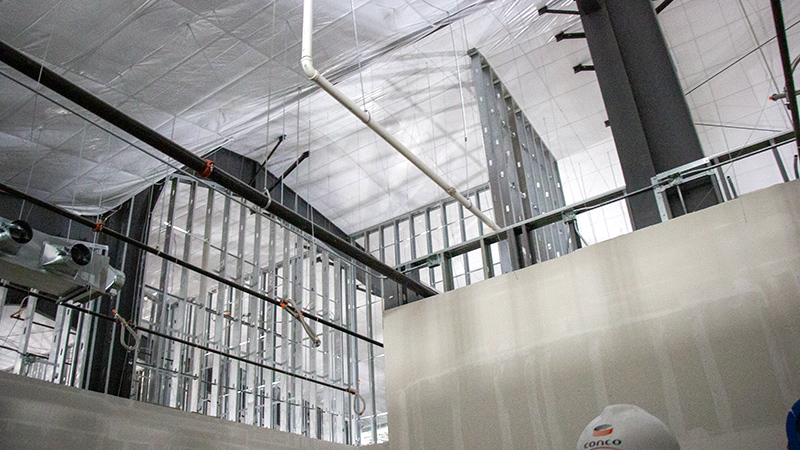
x,y
44,416
696,320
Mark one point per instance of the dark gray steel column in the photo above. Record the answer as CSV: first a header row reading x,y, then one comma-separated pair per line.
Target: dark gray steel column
x,y
650,120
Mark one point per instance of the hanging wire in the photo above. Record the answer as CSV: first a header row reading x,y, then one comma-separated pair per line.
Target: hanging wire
x,y
75,190
283,118
269,99
760,48
308,172
358,54
737,60
461,94
297,149
430,107
36,101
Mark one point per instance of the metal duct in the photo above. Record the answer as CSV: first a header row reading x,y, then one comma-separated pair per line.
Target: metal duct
x,y
69,269
14,235
66,259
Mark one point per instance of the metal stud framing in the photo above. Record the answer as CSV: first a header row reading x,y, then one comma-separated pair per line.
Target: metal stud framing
x,y
264,253
523,175
467,252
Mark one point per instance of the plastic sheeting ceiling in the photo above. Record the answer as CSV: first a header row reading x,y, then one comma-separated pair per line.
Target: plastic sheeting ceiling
x,y
226,73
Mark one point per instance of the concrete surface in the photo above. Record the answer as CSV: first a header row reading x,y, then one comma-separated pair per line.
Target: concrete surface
x,y
44,416
696,320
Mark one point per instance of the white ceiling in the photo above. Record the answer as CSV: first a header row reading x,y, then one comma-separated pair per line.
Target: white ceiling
x,y
211,73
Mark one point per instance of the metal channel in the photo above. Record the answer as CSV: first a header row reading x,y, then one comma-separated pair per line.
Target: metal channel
x,y
523,174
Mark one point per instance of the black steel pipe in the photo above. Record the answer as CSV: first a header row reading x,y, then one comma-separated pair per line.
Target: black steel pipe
x,y
662,6
261,166
289,170
545,10
121,237
564,35
46,77
786,62
174,339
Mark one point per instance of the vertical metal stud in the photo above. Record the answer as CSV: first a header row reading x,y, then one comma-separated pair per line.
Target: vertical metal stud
x,y
21,364
159,386
198,399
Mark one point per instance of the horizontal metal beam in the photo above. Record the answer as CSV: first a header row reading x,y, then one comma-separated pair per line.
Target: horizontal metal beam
x,y
85,99
121,237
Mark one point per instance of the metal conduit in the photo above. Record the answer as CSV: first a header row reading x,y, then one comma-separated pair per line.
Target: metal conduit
x,y
46,77
121,237
307,63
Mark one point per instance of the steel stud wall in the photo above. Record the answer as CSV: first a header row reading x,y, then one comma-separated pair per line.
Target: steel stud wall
x,y
222,235
523,175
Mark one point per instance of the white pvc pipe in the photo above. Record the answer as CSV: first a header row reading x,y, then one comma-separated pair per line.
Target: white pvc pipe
x,y
308,67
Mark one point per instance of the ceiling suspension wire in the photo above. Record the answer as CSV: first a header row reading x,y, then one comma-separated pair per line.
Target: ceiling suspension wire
x,y
285,52
296,150
759,46
203,52
360,181
308,175
433,128
737,60
269,98
75,190
461,95
283,102
36,101
358,55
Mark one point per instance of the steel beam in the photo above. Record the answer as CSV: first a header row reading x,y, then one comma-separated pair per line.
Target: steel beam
x,y
652,127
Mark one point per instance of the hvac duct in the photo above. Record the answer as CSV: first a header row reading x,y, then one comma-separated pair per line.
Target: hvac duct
x,y
69,269
307,62
66,259
14,235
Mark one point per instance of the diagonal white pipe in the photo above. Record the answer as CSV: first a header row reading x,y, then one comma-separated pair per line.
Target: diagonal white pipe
x,y
308,67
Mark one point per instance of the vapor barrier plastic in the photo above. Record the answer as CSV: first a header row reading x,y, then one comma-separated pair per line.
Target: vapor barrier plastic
x,y
214,73
204,75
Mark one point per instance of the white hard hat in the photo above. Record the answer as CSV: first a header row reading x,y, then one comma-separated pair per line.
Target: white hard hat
x,y
626,427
